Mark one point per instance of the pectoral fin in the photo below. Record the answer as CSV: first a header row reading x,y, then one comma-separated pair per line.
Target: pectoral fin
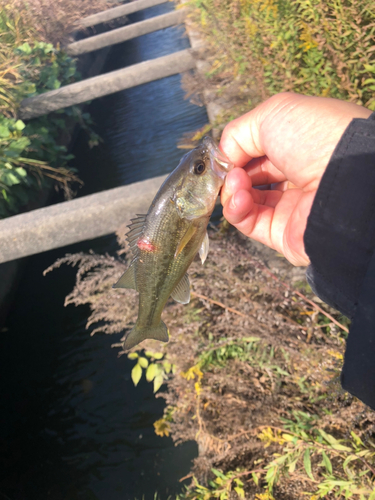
x,y
127,280
185,240
181,293
203,251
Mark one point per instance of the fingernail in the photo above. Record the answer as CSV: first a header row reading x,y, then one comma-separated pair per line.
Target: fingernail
x,y
232,203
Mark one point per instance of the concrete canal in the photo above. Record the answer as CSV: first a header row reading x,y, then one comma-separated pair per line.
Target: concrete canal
x,y
72,424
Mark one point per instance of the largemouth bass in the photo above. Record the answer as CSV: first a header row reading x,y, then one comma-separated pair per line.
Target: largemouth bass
x,y
165,241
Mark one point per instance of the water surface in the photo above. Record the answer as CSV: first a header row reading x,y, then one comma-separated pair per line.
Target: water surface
x,y
72,424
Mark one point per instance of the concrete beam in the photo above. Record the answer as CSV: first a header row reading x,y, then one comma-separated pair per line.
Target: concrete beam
x,y
120,11
98,86
74,221
126,33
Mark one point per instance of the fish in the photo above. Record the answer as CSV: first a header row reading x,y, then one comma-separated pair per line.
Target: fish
x,y
164,242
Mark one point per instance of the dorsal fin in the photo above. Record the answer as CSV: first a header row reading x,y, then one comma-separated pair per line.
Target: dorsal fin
x,y
135,232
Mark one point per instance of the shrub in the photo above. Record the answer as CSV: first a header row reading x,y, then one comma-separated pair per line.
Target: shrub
x,y
31,155
314,47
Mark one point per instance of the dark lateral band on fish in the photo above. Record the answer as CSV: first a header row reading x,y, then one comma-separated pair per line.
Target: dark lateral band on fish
x,y
165,241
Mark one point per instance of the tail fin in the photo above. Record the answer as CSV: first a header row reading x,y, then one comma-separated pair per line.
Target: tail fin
x,y
137,334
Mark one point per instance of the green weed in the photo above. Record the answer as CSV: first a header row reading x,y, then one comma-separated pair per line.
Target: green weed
x,y
246,349
306,46
31,157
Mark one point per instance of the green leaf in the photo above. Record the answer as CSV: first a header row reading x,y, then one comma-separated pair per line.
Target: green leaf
x,y
158,381
349,459
272,476
9,178
133,355
4,131
151,372
333,442
136,374
56,84
143,362
326,462
21,171
219,474
157,355
251,339
29,88
19,125
255,478
167,366
25,48
307,464
240,491
292,465
358,441
362,473
369,68
19,144
363,453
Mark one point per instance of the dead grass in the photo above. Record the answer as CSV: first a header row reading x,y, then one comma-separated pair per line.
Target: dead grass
x,y
247,352
54,20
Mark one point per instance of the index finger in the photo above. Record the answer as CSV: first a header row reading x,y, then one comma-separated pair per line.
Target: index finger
x,y
240,139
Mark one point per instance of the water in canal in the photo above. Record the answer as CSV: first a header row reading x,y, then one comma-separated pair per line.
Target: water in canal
x,y
72,425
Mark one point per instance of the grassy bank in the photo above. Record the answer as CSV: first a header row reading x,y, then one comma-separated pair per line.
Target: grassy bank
x,y
257,48
33,155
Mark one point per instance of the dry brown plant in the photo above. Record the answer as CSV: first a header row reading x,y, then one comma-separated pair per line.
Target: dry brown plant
x,y
54,20
277,356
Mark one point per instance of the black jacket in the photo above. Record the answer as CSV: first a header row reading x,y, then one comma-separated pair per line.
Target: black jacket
x,y
340,242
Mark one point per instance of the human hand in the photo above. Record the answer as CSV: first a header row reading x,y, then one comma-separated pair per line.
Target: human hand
x,y
286,141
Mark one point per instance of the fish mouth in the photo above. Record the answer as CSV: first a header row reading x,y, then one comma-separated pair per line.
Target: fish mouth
x,y
220,164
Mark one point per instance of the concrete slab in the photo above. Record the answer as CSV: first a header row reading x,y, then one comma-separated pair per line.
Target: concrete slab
x,y
108,83
124,33
120,11
76,220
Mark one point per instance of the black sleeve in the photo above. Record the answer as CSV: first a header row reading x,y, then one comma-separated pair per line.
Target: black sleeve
x,y
340,242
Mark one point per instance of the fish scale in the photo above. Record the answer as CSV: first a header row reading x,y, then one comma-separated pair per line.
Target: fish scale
x,y
165,241
169,269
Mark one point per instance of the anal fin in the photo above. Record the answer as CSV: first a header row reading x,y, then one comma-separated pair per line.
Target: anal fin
x,y
181,293
127,280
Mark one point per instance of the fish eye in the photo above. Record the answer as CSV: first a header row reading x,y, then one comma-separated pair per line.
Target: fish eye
x,y
199,168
